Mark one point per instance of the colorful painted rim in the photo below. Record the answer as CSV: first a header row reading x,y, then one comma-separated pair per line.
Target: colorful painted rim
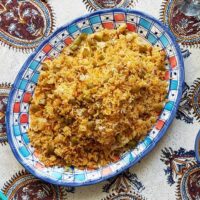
x,y
133,156
197,147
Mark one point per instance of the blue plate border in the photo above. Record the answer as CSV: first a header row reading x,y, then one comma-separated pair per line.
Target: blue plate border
x,y
197,146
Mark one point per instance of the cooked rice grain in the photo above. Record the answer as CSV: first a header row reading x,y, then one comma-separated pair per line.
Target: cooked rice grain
x,y
97,99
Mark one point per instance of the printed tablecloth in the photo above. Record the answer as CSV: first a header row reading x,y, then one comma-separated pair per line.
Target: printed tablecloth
x,y
170,171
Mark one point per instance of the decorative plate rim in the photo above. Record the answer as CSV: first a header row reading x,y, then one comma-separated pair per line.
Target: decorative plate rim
x,y
144,152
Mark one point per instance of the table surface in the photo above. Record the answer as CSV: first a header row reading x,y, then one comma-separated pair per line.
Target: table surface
x,y
170,171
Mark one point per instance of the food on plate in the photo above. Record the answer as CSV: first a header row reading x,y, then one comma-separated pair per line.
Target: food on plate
x,y
97,99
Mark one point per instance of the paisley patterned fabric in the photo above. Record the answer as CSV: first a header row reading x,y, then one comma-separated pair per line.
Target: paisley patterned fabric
x,y
189,107
125,186
171,170
24,186
24,24
185,27
183,171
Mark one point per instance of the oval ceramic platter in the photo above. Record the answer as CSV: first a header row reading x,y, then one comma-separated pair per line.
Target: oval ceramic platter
x,y
17,115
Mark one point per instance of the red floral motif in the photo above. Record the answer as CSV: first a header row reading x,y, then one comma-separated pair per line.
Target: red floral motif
x,y
24,186
193,183
184,26
37,190
24,22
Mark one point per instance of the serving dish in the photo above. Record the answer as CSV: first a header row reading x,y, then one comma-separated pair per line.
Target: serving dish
x,y
17,115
